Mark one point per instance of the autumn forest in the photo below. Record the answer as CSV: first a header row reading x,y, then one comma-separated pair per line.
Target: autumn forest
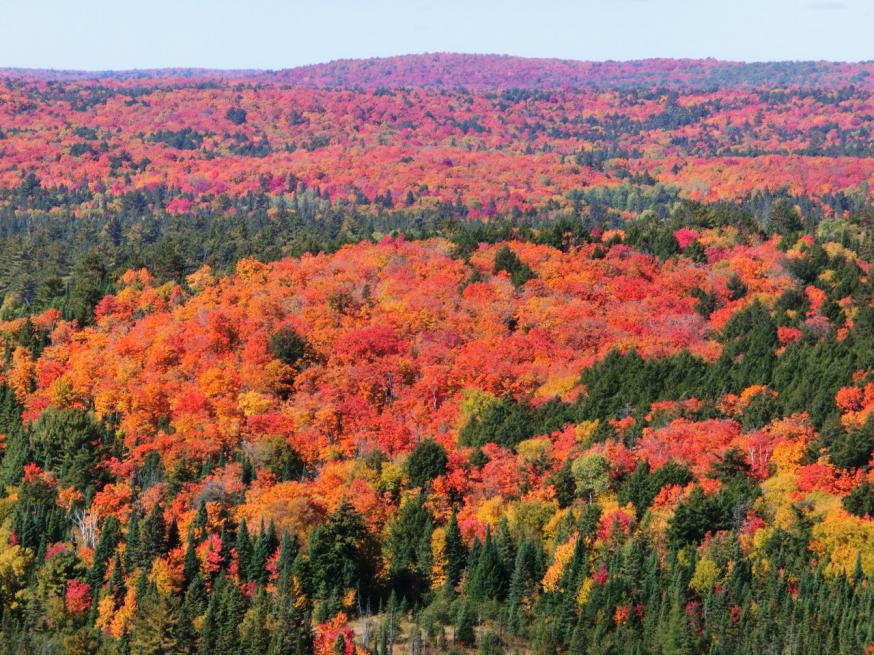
x,y
438,354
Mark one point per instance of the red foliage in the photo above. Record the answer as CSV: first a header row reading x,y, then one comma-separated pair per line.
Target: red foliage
x,y
77,597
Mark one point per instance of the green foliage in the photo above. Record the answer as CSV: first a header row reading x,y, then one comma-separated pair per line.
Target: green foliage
x,y
506,422
455,551
853,448
237,115
591,475
508,261
643,485
342,555
72,444
465,623
860,501
36,517
427,461
408,548
155,629
288,346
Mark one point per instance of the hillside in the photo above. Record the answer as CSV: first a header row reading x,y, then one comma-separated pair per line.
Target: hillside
x,y
438,354
498,72
410,402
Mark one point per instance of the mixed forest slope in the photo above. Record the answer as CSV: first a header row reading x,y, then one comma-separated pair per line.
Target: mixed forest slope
x,y
570,358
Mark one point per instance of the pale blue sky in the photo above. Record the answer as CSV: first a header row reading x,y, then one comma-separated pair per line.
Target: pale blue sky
x,y
123,34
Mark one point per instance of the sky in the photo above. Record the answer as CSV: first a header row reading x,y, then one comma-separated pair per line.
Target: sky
x,y
273,34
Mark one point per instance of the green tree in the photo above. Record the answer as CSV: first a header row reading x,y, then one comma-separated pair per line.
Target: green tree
x,y
591,475
409,548
155,626
427,461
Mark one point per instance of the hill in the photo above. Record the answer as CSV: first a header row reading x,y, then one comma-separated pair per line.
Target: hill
x,y
354,359
498,72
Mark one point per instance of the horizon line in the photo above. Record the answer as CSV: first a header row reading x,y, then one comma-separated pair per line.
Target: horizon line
x,y
250,70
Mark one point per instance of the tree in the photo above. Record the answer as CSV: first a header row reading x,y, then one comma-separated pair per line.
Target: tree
x,y
342,554
293,634
236,115
465,622
244,551
784,218
90,284
152,537
860,501
288,346
488,579
409,548
853,448
155,626
508,261
70,443
592,475
110,537
427,461
455,551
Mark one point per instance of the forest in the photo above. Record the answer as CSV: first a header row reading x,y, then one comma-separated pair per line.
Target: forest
x,y
438,354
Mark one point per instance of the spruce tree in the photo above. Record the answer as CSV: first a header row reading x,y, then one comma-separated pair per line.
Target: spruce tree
x,y
455,551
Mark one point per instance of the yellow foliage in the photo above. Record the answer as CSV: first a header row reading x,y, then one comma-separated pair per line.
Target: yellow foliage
x,y
14,562
530,517
789,455
777,491
438,558
706,575
842,538
391,477
785,519
473,402
823,502
555,520
164,577
121,620
490,511
251,270
586,430
584,592
252,403
560,559
105,613
533,449
21,373
62,392
557,386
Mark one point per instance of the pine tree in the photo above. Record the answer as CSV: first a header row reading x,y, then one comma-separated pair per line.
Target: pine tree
x,y
152,536
488,578
455,551
293,633
132,546
197,529
464,625
110,536
409,548
155,626
243,548
116,580
521,585
254,638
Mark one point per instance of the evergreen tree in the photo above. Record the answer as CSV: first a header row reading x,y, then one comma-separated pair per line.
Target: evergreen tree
x,y
155,626
409,548
244,551
455,551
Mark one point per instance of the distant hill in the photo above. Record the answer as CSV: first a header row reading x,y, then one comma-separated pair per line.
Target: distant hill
x,y
482,72
488,72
